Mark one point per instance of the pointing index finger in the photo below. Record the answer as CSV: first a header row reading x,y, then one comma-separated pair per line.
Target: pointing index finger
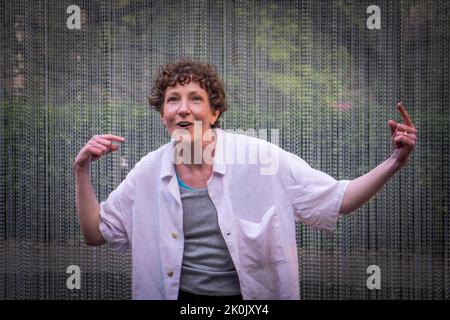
x,y
112,137
405,115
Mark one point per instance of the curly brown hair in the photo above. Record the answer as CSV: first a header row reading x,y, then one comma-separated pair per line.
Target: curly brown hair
x,y
183,72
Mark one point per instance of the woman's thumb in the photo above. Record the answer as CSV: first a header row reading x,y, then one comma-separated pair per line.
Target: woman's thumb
x,y
114,147
393,126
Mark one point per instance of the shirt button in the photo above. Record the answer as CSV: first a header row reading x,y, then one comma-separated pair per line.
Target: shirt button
x,y
174,235
170,273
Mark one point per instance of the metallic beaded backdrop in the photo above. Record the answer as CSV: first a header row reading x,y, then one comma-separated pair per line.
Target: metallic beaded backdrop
x,y
311,69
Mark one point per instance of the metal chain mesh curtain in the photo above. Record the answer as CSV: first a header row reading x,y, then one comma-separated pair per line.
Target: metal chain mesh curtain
x,y
311,69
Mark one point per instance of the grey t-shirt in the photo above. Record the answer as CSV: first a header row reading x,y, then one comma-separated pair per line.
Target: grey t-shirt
x,y
207,267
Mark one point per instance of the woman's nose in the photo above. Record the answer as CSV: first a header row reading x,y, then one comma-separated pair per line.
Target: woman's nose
x,y
184,108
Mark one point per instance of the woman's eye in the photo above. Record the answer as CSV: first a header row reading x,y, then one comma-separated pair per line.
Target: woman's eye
x,y
172,99
196,98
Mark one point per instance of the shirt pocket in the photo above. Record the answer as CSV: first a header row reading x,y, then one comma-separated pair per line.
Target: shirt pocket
x,y
260,243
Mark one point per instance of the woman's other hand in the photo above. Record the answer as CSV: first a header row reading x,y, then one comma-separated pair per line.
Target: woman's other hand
x,y
95,148
404,137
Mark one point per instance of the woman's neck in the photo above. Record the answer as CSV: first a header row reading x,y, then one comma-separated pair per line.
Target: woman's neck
x,y
202,153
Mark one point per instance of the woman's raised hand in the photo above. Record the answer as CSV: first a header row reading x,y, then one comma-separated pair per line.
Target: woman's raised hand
x,y
95,148
404,136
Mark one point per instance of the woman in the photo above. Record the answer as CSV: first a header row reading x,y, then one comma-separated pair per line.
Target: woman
x,y
201,225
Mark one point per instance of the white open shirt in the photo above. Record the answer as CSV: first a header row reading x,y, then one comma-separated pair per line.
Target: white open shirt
x,y
256,214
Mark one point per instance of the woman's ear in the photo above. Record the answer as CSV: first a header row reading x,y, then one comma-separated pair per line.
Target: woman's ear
x,y
216,114
163,120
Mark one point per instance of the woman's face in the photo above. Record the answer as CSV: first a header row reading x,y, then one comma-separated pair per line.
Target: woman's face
x,y
185,104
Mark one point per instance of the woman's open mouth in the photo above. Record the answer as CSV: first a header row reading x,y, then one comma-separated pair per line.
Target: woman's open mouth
x,y
184,124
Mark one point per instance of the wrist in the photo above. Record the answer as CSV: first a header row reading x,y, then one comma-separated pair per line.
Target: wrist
x,y
80,169
395,162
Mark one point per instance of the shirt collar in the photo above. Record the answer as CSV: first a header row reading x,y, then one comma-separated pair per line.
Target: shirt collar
x,y
219,165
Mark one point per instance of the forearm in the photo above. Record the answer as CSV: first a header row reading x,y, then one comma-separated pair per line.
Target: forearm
x,y
88,207
363,188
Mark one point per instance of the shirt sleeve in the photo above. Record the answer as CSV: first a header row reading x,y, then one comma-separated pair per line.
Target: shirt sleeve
x,y
116,213
315,196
